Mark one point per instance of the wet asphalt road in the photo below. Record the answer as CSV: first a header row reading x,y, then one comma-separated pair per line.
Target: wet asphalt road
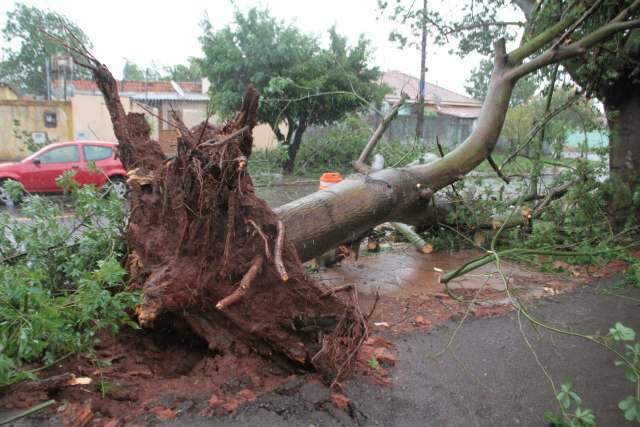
x,y
489,377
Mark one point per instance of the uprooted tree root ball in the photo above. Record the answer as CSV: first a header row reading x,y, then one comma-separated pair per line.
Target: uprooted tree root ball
x,y
206,249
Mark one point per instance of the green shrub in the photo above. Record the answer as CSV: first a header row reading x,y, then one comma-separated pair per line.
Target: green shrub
x,y
335,150
60,278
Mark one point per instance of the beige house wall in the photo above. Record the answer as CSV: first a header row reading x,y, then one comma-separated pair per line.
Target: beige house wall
x,y
22,119
91,119
192,114
7,93
264,138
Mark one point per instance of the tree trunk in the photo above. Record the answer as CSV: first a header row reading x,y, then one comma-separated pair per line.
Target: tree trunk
x,y
622,106
293,145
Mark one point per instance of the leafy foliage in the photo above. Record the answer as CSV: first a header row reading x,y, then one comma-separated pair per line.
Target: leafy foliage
x,y
632,275
131,71
620,333
60,282
582,116
24,66
180,72
192,71
301,83
334,149
572,413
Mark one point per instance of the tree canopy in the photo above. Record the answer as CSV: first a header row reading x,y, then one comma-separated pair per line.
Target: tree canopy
x,y
302,83
607,35
23,62
191,71
575,114
132,71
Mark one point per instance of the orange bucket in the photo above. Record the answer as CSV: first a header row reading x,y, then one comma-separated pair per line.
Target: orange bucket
x,y
328,179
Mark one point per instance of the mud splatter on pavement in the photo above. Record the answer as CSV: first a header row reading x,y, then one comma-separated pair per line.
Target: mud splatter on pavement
x,y
411,296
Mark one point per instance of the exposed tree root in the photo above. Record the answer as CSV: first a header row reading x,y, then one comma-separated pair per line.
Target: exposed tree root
x,y
245,283
278,261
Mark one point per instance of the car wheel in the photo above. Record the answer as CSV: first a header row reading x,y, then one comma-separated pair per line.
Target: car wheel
x,y
5,197
118,185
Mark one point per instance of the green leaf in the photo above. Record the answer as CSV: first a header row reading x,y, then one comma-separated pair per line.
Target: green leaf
x,y
622,333
373,363
631,408
110,271
585,417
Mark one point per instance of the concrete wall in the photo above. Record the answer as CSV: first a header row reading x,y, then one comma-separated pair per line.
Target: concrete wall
x,y
7,93
22,119
91,119
449,130
264,138
191,112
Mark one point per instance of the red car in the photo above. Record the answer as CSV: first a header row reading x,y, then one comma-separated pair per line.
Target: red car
x,y
38,172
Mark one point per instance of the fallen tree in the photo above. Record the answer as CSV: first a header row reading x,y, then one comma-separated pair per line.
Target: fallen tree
x,y
323,220
208,251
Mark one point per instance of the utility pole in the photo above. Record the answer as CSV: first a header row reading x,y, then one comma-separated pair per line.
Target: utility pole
x,y
47,73
423,60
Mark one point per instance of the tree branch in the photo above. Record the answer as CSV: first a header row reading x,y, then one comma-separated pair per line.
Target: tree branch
x,y
457,28
575,25
497,169
534,131
360,164
572,50
539,41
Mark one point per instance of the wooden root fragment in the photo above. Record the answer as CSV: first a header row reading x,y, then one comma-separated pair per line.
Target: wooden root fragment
x,y
245,284
214,143
340,288
278,256
267,252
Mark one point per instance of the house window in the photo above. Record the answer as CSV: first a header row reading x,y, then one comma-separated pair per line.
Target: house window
x,y
50,119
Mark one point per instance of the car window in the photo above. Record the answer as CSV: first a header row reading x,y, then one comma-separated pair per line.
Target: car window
x,y
66,154
96,152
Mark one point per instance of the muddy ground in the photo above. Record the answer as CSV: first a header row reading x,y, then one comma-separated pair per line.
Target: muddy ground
x,y
488,377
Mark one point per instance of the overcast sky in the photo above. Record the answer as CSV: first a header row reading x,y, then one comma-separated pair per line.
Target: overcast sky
x,y
166,33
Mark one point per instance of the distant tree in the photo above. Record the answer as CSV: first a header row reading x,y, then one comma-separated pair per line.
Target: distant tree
x,y
478,83
131,71
581,116
23,62
192,71
302,84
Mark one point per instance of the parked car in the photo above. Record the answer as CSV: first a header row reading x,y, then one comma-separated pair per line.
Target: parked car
x,y
38,172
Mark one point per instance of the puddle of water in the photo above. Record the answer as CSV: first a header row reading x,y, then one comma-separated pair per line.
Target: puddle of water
x,y
278,195
403,272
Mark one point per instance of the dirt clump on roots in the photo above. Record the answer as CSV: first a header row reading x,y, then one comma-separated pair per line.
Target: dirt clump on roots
x,y
205,249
